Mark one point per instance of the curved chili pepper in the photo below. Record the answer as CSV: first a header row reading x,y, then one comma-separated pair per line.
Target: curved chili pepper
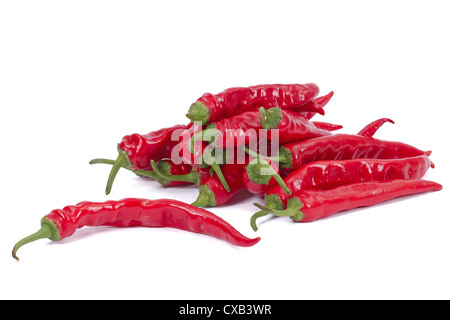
x,y
319,103
330,174
260,175
310,205
343,147
371,128
288,126
130,212
233,101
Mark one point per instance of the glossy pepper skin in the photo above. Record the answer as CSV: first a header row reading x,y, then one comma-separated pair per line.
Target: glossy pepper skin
x,y
213,193
155,145
325,175
344,147
169,167
233,101
289,126
311,205
211,190
327,126
237,130
319,103
246,127
130,212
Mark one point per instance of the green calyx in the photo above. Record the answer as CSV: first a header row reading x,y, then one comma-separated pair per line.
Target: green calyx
x,y
261,172
206,197
286,156
270,118
162,169
48,230
292,210
198,111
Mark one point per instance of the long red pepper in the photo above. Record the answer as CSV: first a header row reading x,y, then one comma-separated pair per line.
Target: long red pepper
x,y
245,128
310,205
233,101
342,147
333,173
130,212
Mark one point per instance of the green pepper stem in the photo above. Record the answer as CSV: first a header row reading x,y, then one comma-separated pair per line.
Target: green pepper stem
x,y
256,216
190,177
212,132
119,163
144,173
220,175
292,209
48,230
282,184
281,158
103,161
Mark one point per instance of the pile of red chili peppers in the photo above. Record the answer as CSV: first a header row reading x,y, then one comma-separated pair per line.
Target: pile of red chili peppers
x,y
260,139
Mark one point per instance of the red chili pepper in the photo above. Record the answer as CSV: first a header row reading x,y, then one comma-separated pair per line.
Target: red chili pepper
x,y
262,174
319,103
288,126
310,205
330,174
237,130
233,101
156,145
60,224
136,151
371,128
245,128
211,190
342,147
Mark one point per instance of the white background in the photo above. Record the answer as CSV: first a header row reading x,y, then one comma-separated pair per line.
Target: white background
x,y
76,76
